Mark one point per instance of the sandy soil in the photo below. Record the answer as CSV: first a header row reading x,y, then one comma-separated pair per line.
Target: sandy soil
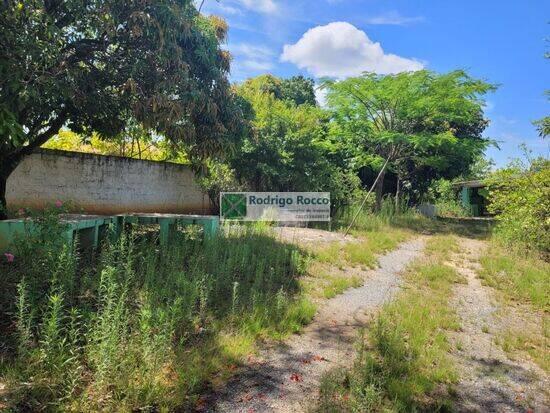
x,y
311,236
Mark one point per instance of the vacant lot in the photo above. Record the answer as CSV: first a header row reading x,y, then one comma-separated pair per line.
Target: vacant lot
x,y
408,314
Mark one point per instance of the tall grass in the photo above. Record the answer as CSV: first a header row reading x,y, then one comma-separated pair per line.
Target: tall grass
x,y
390,215
137,326
521,276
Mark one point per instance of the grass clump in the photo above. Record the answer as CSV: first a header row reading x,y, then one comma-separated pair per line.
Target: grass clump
x,y
363,252
337,285
389,215
403,361
138,326
518,274
533,342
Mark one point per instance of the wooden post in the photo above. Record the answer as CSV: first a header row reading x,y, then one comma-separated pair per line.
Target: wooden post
x,y
366,196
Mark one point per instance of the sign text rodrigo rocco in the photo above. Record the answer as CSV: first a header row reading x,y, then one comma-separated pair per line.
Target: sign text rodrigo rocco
x,y
275,206
288,200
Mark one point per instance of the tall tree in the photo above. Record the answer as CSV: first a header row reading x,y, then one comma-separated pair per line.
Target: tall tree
x,y
296,89
93,66
416,120
299,89
287,149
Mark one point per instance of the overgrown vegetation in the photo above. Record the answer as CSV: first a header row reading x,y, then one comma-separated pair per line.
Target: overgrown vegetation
x,y
521,277
520,198
402,362
446,200
390,214
364,252
141,327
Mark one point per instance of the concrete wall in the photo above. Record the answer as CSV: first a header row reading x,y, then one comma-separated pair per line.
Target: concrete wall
x,y
104,184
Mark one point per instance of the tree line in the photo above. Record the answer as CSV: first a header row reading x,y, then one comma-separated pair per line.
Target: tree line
x,y
156,73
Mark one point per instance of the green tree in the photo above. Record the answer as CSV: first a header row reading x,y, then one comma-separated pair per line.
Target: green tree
x,y
94,66
296,89
287,149
543,126
425,124
299,90
481,168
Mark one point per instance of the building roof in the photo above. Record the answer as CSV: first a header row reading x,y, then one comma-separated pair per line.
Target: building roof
x,y
470,184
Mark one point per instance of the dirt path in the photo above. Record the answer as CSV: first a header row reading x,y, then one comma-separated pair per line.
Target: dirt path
x,y
285,378
489,380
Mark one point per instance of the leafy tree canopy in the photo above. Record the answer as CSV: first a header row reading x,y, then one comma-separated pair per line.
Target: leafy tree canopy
x,y
428,125
287,147
296,89
93,66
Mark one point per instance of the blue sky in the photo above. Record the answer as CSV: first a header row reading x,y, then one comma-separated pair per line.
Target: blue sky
x,y
500,41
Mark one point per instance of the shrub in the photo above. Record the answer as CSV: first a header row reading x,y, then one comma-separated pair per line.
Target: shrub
x,y
218,177
446,199
520,198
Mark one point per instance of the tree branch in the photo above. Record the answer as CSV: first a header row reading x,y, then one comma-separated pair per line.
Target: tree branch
x,y
39,139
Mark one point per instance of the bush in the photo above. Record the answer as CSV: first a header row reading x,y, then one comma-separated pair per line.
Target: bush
x,y
446,199
218,177
520,198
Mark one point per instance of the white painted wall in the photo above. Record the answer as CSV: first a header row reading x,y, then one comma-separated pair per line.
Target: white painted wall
x,y
104,184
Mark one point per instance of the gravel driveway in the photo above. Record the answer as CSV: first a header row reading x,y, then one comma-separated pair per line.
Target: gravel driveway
x,y
285,377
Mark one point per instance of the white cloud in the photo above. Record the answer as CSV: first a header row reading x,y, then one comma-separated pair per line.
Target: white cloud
x,y
251,58
251,51
393,18
256,65
262,6
340,49
228,9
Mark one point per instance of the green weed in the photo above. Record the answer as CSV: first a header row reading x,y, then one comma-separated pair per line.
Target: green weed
x,y
519,275
337,285
364,252
139,326
534,343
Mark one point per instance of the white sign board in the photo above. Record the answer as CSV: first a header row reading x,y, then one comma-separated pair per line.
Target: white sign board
x,y
275,206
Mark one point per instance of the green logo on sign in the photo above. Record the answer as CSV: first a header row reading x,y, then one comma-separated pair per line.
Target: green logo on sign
x,y
233,206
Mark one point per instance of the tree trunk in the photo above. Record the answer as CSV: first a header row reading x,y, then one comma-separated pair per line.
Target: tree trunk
x,y
3,203
9,161
397,193
379,191
8,166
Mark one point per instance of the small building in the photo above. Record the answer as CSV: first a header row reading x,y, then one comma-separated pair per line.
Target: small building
x,y
473,196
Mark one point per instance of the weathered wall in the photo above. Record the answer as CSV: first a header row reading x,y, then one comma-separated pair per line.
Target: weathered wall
x,y
104,184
